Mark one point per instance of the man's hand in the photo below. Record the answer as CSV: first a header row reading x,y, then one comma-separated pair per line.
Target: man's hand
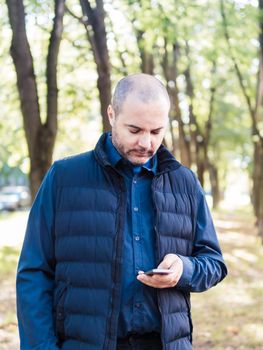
x,y
171,262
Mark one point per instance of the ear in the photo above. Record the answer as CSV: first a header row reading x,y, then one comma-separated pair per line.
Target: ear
x,y
111,115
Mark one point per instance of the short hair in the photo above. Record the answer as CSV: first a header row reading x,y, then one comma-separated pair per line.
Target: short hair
x,y
146,87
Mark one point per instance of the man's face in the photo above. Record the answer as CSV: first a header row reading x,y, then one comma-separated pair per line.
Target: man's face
x,y
138,130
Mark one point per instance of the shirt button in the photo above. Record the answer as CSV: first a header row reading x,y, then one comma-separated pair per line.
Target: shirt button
x,y
138,305
135,208
135,181
137,238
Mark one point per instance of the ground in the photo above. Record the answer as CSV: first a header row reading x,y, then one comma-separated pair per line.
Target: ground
x,y
228,317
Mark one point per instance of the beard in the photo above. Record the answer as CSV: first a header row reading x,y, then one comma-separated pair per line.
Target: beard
x,y
132,155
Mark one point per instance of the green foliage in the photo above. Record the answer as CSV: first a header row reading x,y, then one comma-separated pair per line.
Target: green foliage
x,y
131,26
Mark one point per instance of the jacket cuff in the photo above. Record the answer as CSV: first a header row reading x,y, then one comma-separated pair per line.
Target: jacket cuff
x,y
188,269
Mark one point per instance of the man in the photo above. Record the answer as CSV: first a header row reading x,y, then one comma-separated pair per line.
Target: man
x,y
103,218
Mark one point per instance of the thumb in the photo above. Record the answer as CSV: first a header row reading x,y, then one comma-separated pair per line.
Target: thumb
x,y
167,262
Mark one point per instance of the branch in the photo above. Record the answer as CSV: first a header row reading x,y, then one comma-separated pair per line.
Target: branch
x,y
85,20
90,17
87,10
80,19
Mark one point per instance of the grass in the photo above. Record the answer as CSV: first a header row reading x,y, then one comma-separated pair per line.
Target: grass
x,y
9,215
8,261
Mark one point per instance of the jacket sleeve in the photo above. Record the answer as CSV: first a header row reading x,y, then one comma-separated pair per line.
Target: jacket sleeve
x,y
205,267
35,275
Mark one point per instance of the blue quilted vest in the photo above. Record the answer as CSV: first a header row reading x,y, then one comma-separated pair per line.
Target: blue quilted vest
x,y
90,216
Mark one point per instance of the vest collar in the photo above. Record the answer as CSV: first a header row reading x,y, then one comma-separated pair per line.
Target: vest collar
x,y
166,161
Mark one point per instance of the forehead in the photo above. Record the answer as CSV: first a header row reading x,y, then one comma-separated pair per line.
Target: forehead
x,y
145,115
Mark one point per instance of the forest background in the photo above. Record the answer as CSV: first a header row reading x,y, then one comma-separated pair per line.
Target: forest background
x,y
61,60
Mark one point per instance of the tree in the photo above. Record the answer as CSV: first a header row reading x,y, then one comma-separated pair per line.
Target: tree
x,y
40,136
170,71
255,111
94,21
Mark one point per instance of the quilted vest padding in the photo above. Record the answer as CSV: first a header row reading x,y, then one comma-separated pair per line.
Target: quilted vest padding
x,y
90,214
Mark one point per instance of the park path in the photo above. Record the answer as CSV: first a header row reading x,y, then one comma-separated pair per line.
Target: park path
x,y
12,230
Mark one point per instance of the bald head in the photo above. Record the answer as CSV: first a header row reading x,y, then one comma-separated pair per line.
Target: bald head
x,y
144,87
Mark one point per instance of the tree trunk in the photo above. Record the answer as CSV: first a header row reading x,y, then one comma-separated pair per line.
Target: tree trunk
x,y
169,66
201,166
40,137
26,80
147,61
215,189
42,158
94,21
199,139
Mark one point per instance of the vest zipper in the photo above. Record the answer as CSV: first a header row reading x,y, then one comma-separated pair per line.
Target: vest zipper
x,y
111,331
158,253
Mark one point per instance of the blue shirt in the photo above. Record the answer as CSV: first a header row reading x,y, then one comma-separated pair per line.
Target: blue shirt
x,y
139,308
38,284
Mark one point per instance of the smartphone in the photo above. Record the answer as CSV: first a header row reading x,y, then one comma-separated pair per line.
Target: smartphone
x,y
158,272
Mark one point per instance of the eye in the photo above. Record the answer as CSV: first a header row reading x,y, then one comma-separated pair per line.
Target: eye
x,y
134,131
156,132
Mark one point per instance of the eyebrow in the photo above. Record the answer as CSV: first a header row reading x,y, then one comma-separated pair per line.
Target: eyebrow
x,y
138,128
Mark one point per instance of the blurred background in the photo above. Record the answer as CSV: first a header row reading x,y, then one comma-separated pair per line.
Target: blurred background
x,y
59,63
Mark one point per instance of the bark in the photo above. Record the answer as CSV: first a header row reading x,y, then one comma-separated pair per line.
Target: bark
x,y
26,80
169,66
40,136
215,188
94,21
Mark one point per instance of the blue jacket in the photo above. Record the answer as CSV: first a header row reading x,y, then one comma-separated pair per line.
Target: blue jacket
x,y
69,273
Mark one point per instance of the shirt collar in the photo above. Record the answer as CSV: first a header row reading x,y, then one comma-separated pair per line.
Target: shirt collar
x,y
115,158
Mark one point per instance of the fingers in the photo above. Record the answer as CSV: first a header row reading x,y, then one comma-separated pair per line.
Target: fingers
x,y
156,281
168,260
172,262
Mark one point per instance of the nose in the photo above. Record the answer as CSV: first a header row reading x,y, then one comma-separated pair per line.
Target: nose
x,y
145,141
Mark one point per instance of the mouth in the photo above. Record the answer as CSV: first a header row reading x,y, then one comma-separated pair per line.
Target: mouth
x,y
142,154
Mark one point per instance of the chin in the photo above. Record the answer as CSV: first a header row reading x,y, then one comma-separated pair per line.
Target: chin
x,y
138,161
